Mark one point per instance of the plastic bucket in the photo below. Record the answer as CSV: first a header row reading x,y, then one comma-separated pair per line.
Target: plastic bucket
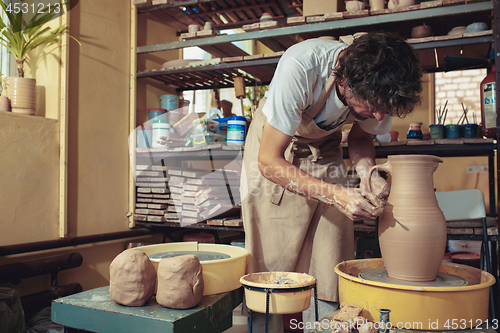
x,y
236,128
169,102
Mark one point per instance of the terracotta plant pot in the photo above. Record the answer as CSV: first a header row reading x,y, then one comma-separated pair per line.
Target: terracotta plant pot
x,y
412,227
22,94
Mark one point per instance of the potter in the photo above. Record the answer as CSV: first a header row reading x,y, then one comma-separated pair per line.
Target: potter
x,y
297,207
412,227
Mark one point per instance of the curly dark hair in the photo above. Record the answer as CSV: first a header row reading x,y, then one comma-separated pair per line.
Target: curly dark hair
x,y
384,71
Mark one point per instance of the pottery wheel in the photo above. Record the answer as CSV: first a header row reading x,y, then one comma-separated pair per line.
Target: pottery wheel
x,y
442,279
202,255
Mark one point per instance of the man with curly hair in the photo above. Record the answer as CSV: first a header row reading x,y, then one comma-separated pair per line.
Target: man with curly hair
x,y
298,211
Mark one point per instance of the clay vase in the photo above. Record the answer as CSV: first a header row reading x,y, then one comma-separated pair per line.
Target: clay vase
x,y
412,227
22,94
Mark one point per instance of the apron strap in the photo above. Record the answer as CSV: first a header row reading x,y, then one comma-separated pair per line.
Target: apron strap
x,y
314,109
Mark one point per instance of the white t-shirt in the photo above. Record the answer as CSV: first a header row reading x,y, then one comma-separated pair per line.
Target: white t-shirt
x,y
300,76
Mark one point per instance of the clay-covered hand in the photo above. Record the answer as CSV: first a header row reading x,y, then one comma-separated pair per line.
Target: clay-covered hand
x,y
357,204
379,186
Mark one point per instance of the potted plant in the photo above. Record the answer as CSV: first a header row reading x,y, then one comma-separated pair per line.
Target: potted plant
x,y
20,37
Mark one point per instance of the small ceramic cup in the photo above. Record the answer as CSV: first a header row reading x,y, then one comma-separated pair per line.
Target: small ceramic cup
x,y
193,28
394,135
354,6
437,131
453,131
397,4
377,4
470,130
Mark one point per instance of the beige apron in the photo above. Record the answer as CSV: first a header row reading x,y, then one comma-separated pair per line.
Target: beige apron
x,y
288,232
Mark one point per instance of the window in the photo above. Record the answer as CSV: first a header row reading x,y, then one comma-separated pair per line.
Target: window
x,y
7,63
456,88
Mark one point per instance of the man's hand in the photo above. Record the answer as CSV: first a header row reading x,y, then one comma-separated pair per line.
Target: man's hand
x,y
356,203
379,186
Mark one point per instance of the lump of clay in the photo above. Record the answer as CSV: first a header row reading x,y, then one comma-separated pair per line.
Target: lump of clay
x,y
180,282
132,278
348,312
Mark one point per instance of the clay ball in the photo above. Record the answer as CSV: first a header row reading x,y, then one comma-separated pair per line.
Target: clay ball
x,y
180,282
132,278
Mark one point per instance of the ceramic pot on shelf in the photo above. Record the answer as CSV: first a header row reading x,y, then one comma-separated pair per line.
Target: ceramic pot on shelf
x,y
22,94
414,132
398,4
354,5
412,227
377,4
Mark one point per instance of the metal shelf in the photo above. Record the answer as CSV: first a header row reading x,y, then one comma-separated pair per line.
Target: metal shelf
x,y
260,71
370,21
256,72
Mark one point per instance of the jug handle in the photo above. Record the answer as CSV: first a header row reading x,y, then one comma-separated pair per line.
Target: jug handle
x,y
384,167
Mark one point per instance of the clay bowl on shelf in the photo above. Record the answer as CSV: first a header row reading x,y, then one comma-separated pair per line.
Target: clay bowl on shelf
x,y
457,30
421,31
476,27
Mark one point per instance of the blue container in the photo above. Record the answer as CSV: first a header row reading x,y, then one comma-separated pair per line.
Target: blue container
x,y
437,131
236,129
470,130
156,114
169,102
385,323
414,134
453,131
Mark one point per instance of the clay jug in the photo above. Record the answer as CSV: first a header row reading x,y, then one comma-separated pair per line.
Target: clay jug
x,y
412,227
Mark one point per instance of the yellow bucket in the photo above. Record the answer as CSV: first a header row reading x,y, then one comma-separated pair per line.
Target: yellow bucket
x,y
219,276
418,307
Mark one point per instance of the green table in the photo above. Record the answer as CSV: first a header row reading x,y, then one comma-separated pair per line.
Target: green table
x,y
94,311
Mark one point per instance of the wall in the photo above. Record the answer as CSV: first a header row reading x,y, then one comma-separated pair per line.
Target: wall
x,y
30,147
98,118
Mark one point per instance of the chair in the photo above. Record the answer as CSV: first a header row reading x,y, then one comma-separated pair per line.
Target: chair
x,y
468,205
